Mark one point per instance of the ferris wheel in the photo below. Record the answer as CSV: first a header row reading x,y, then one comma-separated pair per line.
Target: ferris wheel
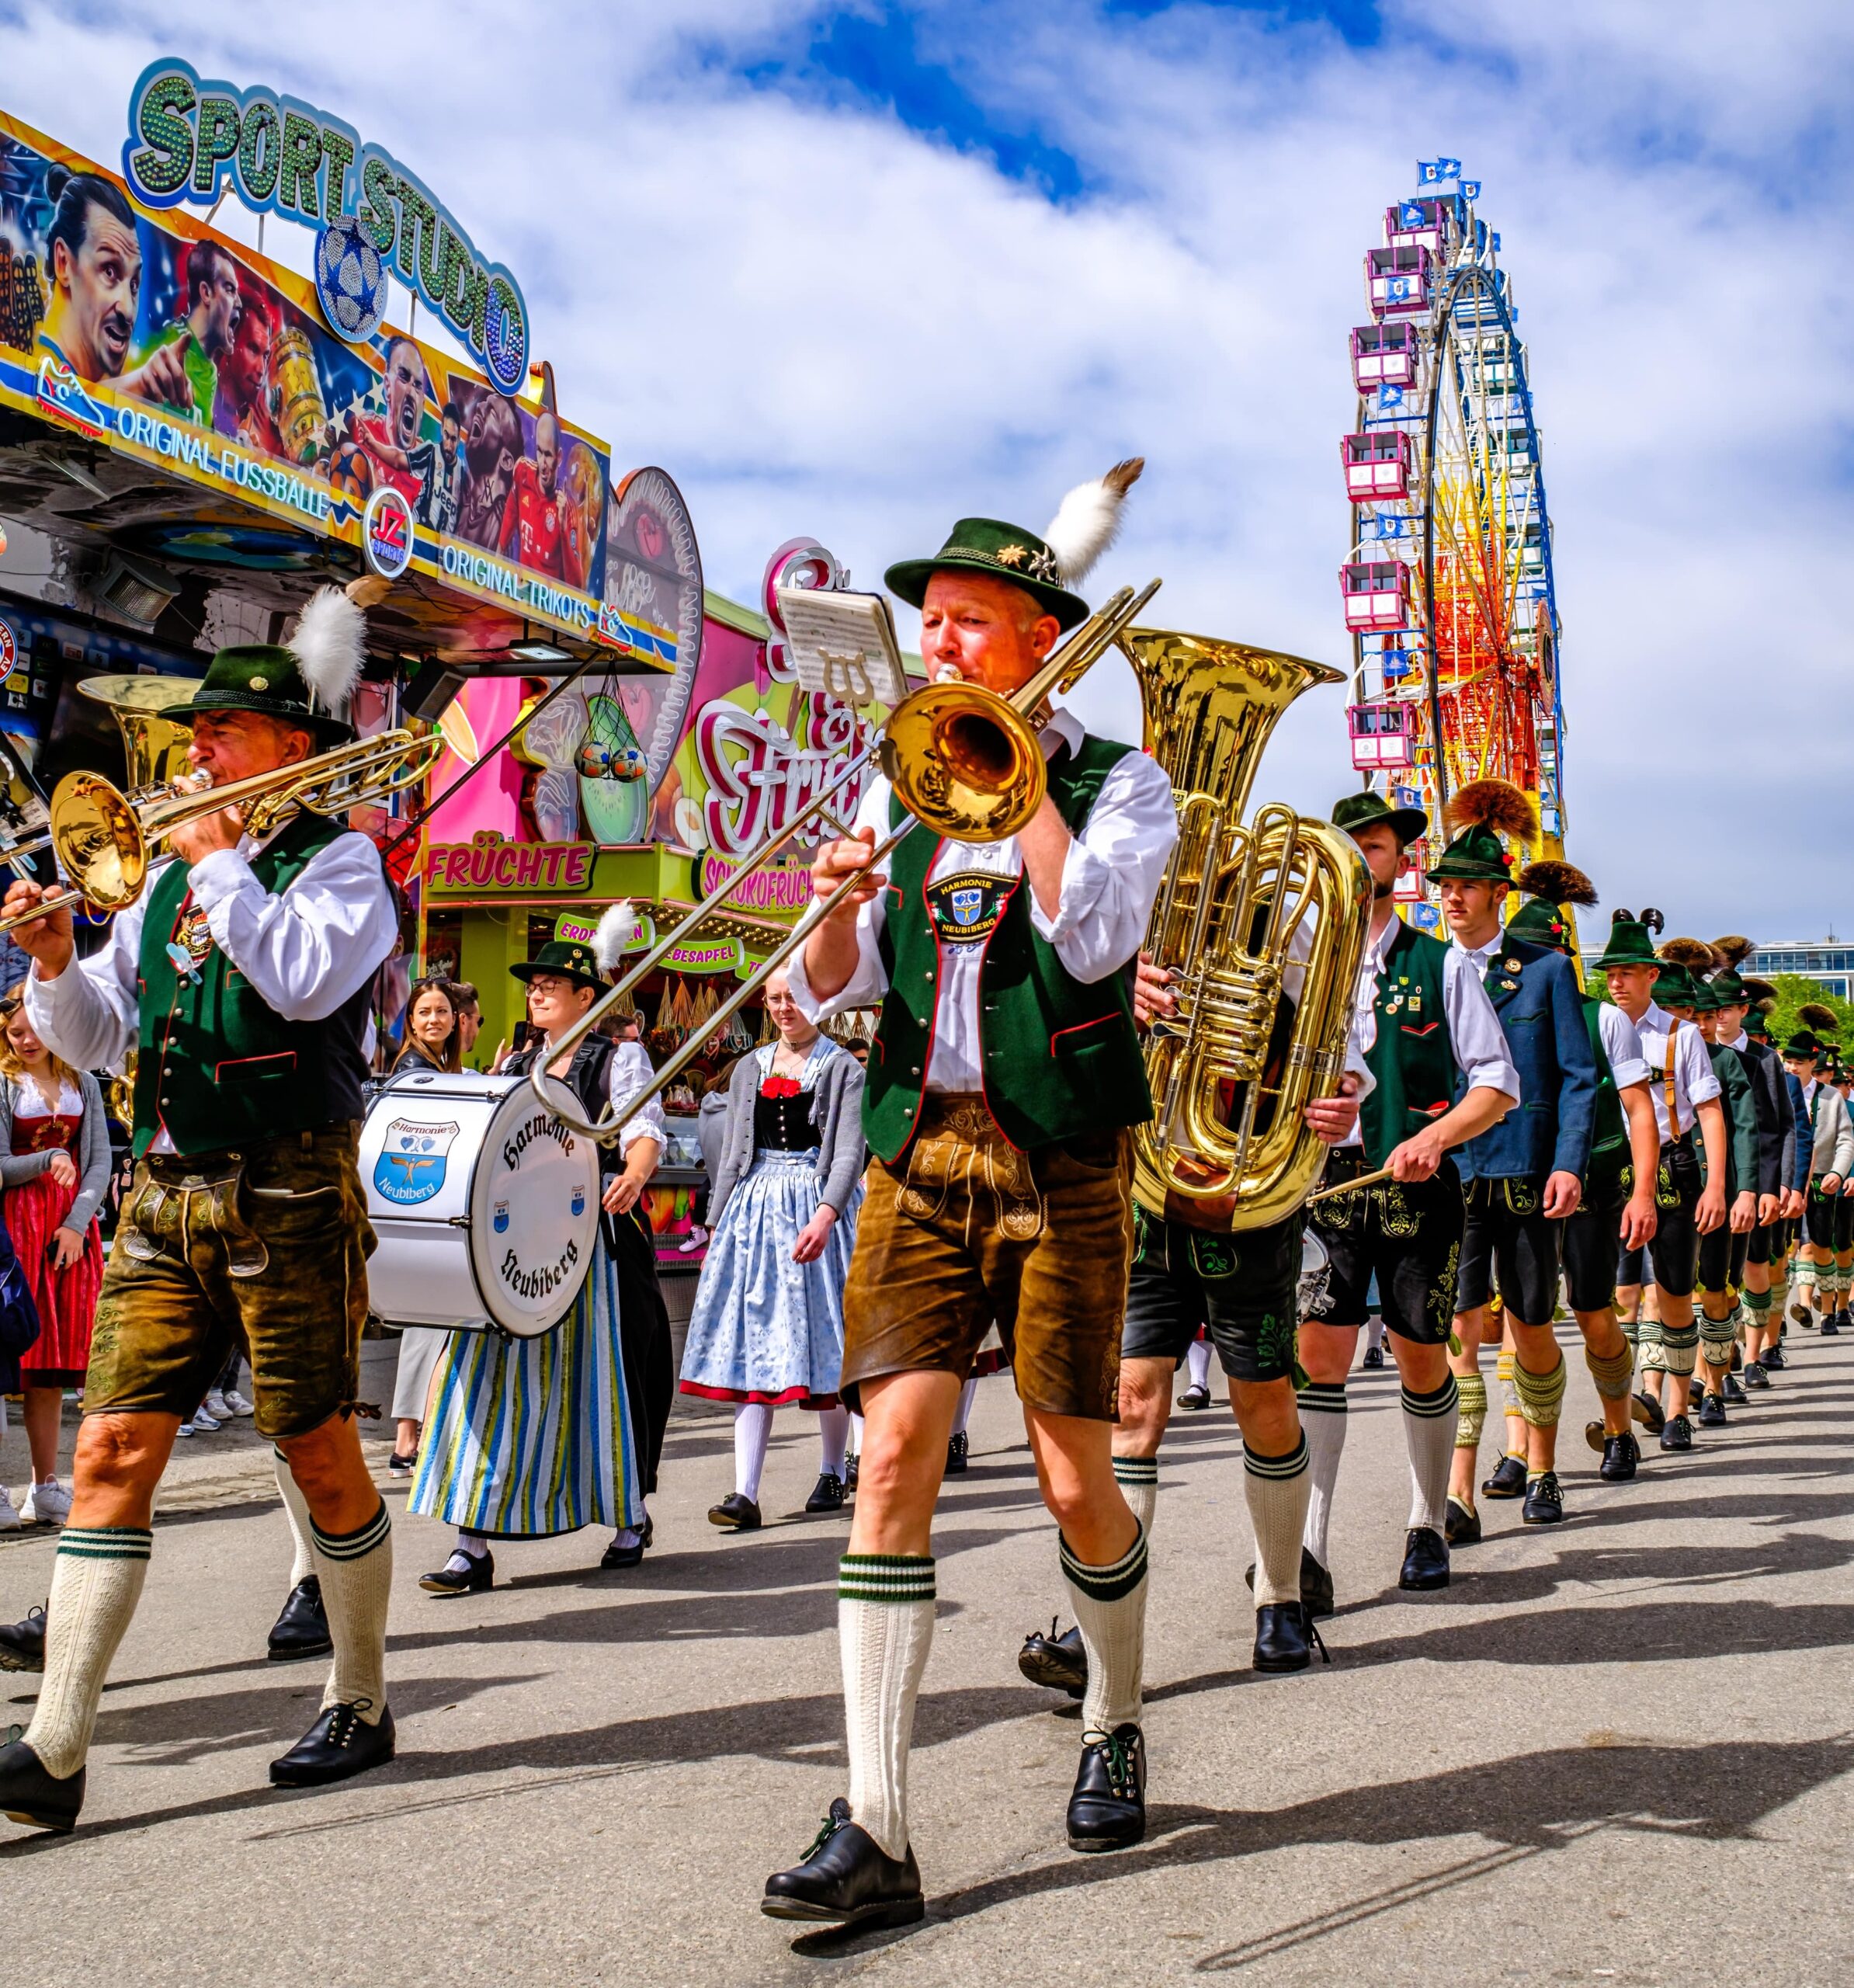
x,y
1448,587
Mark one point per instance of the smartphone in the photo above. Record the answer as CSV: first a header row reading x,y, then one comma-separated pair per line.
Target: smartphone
x,y
522,1035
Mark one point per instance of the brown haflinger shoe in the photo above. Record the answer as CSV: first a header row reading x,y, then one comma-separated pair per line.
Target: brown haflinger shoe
x,y
846,1876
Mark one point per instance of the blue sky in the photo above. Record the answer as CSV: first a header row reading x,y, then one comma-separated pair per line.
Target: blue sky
x,y
856,271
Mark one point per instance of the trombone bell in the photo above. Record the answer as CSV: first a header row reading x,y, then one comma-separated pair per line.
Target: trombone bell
x,y
965,761
99,839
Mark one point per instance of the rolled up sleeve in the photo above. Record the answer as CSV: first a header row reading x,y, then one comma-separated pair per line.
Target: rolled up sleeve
x,y
630,1070
1474,1030
867,986
1112,874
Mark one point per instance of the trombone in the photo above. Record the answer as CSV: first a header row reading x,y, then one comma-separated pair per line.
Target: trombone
x,y
105,840
964,759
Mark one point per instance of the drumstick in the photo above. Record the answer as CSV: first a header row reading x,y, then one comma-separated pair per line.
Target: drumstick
x,y
1347,1187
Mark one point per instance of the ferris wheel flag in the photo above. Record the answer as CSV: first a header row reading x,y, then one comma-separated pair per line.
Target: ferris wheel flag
x,y
1432,172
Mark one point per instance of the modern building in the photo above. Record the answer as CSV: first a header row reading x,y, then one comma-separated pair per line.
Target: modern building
x,y
1827,960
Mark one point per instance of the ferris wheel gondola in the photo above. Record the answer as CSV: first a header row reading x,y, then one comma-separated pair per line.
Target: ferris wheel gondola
x,y
1449,591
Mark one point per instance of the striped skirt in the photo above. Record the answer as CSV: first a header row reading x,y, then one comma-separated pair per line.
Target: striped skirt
x,y
530,1437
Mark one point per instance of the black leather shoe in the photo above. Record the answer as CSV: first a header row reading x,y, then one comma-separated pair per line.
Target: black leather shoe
x,y
847,1876
1735,1396
1621,1453
1374,1357
618,1556
826,1494
1648,1412
1316,1586
1677,1434
340,1743
1754,1376
1285,1638
958,1454
1195,1398
738,1513
1426,1560
1712,1412
1803,1316
1832,1326
1774,1359
849,1471
1544,1501
1107,1810
1461,1523
1058,1661
31,1795
302,1630
477,1578
1508,1479
22,1644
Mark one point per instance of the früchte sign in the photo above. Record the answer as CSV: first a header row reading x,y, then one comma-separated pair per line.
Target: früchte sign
x,y
490,865
188,137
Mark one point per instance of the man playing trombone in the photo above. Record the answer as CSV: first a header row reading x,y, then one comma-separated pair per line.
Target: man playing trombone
x,y
243,975
1001,1085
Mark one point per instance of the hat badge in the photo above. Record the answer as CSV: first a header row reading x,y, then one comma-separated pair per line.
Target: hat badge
x,y
1012,555
260,683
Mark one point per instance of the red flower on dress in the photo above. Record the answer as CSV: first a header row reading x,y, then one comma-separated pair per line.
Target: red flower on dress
x,y
779,1087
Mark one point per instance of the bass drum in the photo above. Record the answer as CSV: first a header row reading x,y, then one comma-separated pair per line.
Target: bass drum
x,y
486,1206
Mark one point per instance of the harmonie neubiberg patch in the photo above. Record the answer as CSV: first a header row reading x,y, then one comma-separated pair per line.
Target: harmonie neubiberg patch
x,y
966,907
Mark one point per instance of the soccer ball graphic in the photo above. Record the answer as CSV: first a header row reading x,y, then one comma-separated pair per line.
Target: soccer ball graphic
x,y
350,280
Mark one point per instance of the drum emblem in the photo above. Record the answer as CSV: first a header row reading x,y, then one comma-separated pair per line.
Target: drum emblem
x,y
411,1164
579,1200
498,1217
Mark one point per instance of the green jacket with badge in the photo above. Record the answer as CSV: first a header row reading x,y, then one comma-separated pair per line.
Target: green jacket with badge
x,y
1412,1059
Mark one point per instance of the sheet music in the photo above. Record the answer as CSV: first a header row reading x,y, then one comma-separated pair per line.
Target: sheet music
x,y
844,645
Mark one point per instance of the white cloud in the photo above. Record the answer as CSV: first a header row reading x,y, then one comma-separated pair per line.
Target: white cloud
x,y
819,321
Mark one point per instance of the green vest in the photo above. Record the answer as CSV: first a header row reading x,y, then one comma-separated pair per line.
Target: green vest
x,y
1058,1058
1412,1061
1610,1149
217,1065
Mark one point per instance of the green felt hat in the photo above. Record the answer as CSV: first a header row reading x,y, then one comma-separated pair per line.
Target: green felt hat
x,y
1476,856
1674,988
1755,1024
1803,1045
1543,922
1629,945
1730,990
1702,996
570,958
308,682
1360,811
1004,552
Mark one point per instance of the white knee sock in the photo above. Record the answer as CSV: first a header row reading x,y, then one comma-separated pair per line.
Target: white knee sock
x,y
1322,1406
356,1573
1429,1432
1279,1489
1197,1359
1138,1479
1374,1333
1109,1603
885,1629
295,1509
752,1431
856,1435
833,1433
963,1415
96,1581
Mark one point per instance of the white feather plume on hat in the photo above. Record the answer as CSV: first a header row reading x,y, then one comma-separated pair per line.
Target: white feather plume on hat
x,y
329,644
615,928
1088,520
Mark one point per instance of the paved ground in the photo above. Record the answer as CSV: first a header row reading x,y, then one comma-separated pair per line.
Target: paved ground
x,y
1618,1752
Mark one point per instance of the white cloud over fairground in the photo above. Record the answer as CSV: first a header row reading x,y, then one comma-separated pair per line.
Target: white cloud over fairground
x,y
857,271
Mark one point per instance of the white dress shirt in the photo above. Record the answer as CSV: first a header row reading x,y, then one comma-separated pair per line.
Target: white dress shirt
x,y
304,950
629,1071
1475,1035
1694,1079
1110,881
1623,1047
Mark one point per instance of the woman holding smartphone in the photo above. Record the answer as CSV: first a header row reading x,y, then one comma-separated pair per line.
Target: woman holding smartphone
x,y
54,1171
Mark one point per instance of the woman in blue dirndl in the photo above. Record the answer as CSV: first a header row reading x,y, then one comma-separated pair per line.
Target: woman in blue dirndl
x,y
767,1328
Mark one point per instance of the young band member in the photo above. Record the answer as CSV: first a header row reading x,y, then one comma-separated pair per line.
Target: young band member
x,y
1796,1183
1004,1073
1684,1092
242,973
1831,1165
1722,1253
1441,1074
1616,1209
1523,1176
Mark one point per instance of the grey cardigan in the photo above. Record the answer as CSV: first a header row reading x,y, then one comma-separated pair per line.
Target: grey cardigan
x,y
93,1162
836,1110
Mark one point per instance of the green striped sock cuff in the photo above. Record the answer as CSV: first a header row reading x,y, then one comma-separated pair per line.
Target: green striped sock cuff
x,y
892,1577
1136,1470
1108,1583
1321,1397
1446,1400
352,1545
1278,1467
106,1542
1680,1337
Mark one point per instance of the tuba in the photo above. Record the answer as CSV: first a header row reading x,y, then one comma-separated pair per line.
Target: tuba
x,y
1233,1071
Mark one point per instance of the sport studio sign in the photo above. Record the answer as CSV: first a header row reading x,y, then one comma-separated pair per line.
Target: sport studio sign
x,y
187,137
